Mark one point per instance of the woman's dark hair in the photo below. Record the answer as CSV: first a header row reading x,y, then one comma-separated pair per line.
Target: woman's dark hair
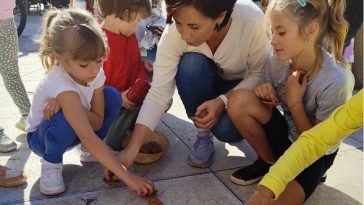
x,y
209,8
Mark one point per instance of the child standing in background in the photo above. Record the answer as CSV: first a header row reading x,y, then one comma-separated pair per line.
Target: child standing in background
x,y
72,50
123,65
9,68
9,71
307,81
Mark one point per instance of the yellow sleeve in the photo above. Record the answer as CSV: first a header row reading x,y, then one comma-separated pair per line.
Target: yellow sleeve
x,y
314,143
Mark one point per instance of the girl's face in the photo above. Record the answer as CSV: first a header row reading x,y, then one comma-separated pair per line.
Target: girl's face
x,y
194,27
82,72
286,39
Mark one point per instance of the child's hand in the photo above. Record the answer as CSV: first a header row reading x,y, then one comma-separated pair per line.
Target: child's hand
x,y
126,102
148,65
51,107
295,87
266,92
158,31
261,196
140,186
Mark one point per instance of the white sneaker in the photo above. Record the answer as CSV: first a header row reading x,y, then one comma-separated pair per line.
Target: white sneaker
x,y
86,156
51,180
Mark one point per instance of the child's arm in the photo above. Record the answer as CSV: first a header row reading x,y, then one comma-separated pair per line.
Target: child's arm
x,y
75,115
295,90
310,146
96,114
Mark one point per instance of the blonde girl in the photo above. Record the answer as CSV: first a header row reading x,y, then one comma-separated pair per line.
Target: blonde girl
x,y
305,79
72,50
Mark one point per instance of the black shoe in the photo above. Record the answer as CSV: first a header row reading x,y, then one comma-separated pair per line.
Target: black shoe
x,y
323,179
251,173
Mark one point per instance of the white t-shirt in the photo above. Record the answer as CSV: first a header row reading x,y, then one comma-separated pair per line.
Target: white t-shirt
x,y
56,82
241,55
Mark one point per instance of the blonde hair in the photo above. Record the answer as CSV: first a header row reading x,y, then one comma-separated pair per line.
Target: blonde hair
x,y
71,33
126,10
329,14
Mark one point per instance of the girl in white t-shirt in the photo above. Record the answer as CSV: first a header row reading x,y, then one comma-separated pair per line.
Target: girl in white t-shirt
x,y
76,105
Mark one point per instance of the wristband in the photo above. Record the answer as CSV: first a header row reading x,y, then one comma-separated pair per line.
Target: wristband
x,y
224,99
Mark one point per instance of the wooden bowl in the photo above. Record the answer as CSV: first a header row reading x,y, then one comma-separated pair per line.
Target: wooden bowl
x,y
144,158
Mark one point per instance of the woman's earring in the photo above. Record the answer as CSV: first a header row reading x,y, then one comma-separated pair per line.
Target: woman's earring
x,y
218,27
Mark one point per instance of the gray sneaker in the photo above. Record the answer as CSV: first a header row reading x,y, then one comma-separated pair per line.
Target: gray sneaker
x,y
202,152
6,144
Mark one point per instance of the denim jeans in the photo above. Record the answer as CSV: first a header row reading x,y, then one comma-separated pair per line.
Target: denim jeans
x,y
198,81
53,137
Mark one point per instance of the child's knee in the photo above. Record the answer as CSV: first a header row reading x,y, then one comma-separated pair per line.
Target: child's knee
x,y
240,102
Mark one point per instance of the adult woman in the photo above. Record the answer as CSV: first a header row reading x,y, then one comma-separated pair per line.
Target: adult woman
x,y
208,49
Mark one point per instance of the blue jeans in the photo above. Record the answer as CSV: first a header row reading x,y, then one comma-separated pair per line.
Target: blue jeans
x,y
53,137
198,81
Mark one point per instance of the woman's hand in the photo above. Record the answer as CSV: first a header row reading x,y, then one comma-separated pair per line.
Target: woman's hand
x,y
126,102
208,113
140,186
264,3
295,88
261,196
51,107
109,175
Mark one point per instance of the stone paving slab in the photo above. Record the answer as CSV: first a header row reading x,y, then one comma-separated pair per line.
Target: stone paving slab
x,y
197,189
84,177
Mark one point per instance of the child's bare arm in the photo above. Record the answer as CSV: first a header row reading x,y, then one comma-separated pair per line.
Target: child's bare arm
x,y
75,115
295,90
96,114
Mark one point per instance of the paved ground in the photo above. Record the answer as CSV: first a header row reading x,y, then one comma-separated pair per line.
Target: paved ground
x,y
177,183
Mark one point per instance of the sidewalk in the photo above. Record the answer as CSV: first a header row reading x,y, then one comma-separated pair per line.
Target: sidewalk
x,y
176,182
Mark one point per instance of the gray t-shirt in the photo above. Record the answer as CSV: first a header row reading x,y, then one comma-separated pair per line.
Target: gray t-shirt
x,y
331,87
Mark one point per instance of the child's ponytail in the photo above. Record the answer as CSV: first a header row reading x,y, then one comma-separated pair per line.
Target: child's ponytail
x,y
45,50
337,28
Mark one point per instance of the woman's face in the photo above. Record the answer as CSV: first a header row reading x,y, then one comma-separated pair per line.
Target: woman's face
x,y
285,36
194,27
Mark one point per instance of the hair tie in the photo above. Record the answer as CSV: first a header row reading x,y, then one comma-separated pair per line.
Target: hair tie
x,y
302,2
